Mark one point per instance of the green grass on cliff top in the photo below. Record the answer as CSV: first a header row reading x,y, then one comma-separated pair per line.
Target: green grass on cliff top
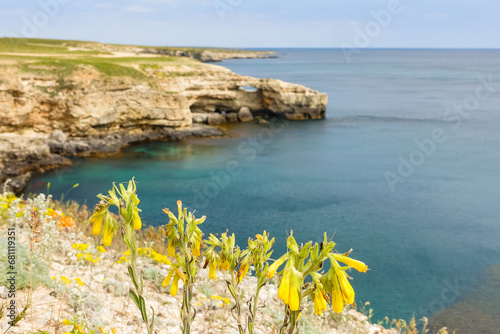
x,y
62,58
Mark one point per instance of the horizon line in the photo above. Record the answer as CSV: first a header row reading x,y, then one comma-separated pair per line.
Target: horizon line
x,y
271,47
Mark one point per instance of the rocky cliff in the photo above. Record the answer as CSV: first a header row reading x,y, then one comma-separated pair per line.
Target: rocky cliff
x,y
52,108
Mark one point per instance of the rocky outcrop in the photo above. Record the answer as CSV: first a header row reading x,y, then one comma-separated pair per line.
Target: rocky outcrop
x,y
46,118
217,55
26,152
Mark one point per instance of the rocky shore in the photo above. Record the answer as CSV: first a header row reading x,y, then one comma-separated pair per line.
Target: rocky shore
x,y
54,107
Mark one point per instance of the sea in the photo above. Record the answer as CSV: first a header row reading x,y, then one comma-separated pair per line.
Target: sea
x,y
404,170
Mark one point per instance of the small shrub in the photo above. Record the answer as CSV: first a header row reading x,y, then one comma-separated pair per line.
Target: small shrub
x,y
40,268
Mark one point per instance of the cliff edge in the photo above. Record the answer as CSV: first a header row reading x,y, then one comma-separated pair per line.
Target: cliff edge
x,y
76,101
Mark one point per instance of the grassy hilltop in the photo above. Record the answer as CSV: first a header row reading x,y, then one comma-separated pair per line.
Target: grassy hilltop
x,y
46,56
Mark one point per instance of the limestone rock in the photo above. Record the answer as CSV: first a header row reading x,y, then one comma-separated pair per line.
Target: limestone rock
x,y
216,119
231,117
245,115
42,124
58,136
200,117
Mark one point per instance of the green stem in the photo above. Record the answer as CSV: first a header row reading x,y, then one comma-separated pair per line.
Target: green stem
x,y
139,289
293,322
254,310
187,293
241,329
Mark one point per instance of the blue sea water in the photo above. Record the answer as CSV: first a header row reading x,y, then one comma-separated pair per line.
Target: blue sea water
x,y
428,239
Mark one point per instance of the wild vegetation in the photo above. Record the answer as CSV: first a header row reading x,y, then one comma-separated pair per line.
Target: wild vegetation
x,y
311,281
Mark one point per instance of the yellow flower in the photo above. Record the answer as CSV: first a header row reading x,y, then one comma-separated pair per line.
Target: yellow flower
x,y
166,280
170,249
113,330
107,234
78,281
80,247
137,219
319,301
358,265
177,274
289,288
175,285
273,267
346,287
102,330
284,288
337,300
242,272
101,249
196,248
65,322
224,265
100,212
80,329
212,270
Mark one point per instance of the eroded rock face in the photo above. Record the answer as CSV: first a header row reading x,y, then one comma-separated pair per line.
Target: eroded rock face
x,y
91,114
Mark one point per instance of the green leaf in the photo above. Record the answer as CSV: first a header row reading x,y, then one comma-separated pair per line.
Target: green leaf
x,y
142,308
135,299
152,320
132,277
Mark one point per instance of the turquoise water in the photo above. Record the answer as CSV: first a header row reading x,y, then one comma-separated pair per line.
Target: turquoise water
x,y
437,227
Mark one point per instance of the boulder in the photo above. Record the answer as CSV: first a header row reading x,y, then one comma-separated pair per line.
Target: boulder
x,y
232,117
245,115
216,119
200,117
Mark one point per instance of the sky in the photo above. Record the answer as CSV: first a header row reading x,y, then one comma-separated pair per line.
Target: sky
x,y
260,23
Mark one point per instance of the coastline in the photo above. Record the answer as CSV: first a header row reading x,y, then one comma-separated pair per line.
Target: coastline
x,y
64,105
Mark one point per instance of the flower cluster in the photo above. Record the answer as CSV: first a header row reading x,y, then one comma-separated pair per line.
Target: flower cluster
x,y
227,258
5,202
103,220
67,281
308,260
146,252
175,274
11,206
62,221
89,257
223,300
83,255
184,245
79,328
128,221
183,232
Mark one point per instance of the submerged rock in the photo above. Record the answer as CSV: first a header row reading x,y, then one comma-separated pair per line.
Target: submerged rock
x,y
477,312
